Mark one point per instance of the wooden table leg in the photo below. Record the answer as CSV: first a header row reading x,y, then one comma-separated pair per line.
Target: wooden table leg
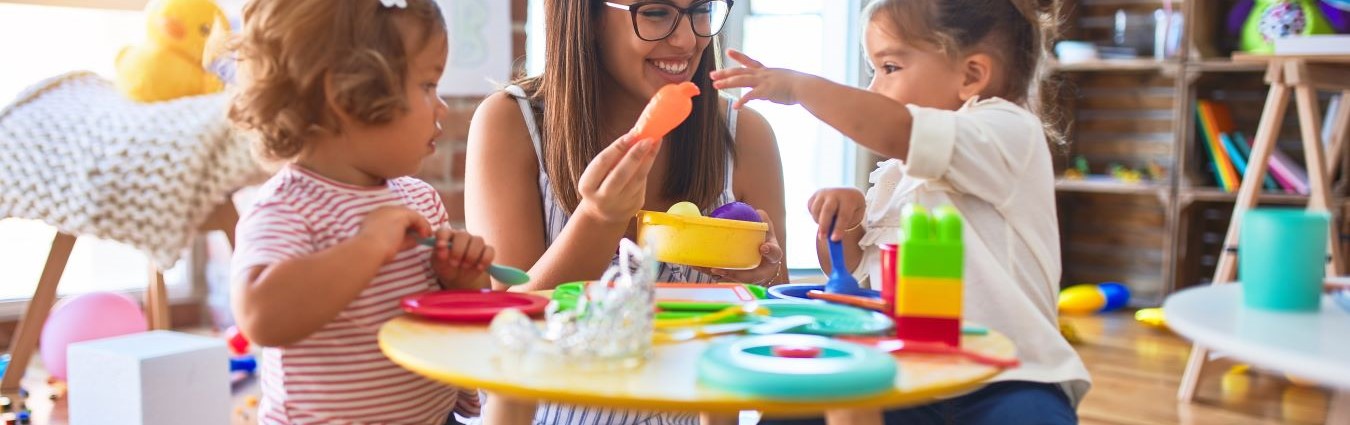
x,y
156,301
26,334
854,417
717,419
1309,119
1339,410
1267,133
500,410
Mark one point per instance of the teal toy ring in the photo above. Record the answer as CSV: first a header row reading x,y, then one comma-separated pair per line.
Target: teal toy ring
x,y
796,367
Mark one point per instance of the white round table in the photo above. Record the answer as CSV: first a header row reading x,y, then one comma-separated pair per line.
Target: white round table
x,y
1313,346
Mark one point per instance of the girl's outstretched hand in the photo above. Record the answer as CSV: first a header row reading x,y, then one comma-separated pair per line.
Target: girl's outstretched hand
x,y
772,84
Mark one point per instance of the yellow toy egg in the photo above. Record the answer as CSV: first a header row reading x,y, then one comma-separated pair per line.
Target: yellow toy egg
x,y
686,208
1081,299
1151,317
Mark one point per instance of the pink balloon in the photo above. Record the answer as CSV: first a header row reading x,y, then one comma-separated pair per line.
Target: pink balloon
x,y
86,317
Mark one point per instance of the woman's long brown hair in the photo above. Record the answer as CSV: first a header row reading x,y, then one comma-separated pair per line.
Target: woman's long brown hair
x,y
570,91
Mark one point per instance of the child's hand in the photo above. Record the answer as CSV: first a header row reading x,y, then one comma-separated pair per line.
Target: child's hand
x,y
846,203
393,229
460,258
771,84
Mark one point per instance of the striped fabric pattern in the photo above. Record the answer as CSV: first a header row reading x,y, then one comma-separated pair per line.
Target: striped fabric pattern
x,y
338,374
555,218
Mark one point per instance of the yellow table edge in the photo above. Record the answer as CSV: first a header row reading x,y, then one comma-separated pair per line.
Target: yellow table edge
x,y
888,400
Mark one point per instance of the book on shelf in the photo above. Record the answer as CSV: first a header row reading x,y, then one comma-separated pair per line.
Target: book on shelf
x,y
1284,176
1329,121
1239,142
1333,44
1294,175
1208,116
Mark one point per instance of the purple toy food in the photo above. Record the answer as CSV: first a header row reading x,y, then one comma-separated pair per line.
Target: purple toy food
x,y
737,211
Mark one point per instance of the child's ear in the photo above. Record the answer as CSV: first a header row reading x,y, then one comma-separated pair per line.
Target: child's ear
x,y
331,101
977,70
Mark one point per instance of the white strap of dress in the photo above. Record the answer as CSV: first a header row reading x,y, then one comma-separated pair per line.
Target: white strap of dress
x,y
528,113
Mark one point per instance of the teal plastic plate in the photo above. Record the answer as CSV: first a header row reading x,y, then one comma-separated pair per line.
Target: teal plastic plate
x,y
831,319
749,367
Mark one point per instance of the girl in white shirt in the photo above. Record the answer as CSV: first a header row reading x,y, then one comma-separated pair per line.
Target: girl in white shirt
x,y
947,107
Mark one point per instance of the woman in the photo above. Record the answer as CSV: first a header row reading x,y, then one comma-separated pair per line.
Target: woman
x,y
546,188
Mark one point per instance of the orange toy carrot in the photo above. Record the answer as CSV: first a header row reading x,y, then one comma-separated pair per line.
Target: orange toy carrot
x,y
670,107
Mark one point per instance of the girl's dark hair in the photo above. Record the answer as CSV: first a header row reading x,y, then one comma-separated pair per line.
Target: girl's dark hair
x,y
1014,32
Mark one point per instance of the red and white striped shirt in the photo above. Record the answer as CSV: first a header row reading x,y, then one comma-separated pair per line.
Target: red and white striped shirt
x,y
338,374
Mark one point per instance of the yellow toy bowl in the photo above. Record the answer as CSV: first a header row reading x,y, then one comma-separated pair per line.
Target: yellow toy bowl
x,y
702,241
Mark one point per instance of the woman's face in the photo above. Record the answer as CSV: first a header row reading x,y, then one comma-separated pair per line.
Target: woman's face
x,y
642,67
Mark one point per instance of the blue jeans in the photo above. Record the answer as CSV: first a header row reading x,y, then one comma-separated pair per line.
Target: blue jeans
x,y
1012,403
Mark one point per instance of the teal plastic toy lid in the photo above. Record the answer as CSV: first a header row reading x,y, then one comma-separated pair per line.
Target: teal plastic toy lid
x,y
831,319
758,366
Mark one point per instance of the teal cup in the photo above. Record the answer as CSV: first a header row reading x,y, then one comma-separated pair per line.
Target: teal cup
x,y
1282,257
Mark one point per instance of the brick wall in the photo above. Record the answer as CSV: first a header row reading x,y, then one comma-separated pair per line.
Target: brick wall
x,y
445,169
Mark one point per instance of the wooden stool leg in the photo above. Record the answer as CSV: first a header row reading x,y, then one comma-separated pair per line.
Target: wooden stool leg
x,y
26,335
1309,120
1339,411
157,301
1267,133
223,218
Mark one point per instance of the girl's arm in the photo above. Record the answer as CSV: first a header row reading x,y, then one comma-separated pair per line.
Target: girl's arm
x,y
872,120
502,180
285,302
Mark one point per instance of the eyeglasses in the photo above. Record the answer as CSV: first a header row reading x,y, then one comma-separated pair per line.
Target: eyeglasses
x,y
654,20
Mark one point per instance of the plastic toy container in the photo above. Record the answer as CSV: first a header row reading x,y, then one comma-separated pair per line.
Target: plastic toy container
x,y
702,241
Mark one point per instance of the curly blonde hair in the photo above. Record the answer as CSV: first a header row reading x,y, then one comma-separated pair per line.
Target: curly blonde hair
x,y
292,52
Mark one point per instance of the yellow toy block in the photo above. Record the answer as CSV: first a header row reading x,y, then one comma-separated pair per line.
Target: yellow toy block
x,y
929,297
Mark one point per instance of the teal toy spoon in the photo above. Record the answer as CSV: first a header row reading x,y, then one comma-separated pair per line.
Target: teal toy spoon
x,y
509,276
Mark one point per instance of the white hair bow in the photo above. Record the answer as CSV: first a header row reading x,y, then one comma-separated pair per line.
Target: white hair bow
x,y
401,4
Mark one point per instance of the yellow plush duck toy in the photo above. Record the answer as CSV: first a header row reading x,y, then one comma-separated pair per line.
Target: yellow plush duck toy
x,y
170,63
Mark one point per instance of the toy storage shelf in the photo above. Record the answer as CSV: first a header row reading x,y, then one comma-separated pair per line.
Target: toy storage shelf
x,y
1164,235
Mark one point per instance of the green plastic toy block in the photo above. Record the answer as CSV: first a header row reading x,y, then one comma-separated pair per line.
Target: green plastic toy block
x,y
930,243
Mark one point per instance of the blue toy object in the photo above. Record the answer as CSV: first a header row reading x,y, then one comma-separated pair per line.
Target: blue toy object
x,y
245,363
1093,298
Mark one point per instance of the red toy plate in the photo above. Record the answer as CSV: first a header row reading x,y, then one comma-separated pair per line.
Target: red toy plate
x,y
471,306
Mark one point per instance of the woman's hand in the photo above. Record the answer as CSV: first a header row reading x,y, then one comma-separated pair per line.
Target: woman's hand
x,y
770,261
614,185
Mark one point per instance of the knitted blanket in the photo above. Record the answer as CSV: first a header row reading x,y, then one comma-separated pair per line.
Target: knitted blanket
x,y
77,155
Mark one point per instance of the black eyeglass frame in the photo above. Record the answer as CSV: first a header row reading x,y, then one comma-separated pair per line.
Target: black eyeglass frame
x,y
632,10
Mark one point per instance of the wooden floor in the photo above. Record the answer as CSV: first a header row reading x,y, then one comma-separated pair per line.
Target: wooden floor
x,y
1134,368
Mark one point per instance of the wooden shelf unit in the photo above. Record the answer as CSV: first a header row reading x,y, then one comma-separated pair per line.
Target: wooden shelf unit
x,y
1156,237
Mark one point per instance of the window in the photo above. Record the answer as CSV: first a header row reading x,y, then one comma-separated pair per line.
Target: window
x,y
48,41
805,35
819,37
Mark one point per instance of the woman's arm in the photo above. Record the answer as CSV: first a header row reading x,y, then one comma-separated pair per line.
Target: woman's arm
x,y
503,201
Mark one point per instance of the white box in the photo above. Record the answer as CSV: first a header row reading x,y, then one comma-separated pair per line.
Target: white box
x,y
151,378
